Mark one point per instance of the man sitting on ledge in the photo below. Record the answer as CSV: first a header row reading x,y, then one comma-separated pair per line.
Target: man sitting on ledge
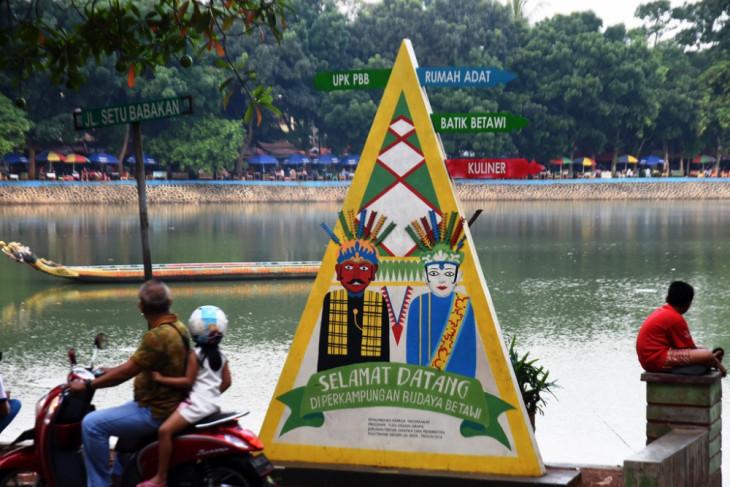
x,y
664,343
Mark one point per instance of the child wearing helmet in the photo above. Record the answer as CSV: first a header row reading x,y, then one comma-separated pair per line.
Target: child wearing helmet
x,y
207,373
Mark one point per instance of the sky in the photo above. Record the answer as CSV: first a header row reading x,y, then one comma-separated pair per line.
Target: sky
x,y
611,11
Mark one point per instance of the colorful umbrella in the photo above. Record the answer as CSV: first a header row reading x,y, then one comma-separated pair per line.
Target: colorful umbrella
x,y
50,156
296,160
147,160
651,161
75,159
263,160
15,158
351,160
627,159
326,160
561,161
103,158
585,161
703,159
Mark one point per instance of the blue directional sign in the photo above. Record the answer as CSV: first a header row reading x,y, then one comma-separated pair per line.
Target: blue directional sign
x,y
464,77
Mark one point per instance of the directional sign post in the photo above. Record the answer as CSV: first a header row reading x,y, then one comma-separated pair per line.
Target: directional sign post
x,y
360,79
477,122
364,79
464,77
133,114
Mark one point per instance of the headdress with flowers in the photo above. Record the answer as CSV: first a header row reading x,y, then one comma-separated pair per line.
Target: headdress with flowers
x,y
361,236
439,241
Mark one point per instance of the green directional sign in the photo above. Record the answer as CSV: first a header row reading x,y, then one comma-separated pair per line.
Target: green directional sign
x,y
359,79
477,122
135,112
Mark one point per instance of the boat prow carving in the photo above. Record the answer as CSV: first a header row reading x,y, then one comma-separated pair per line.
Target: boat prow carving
x,y
24,255
209,271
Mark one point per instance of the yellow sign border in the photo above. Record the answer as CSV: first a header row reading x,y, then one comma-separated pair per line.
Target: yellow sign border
x,y
527,460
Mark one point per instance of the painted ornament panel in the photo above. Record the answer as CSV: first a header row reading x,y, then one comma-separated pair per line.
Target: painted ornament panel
x,y
398,359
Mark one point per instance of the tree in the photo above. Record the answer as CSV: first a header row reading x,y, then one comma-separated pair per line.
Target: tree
x,y
207,143
61,37
657,15
14,125
707,27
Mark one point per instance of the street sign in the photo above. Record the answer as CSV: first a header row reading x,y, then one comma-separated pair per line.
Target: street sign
x,y
482,168
477,122
363,79
464,77
359,79
135,112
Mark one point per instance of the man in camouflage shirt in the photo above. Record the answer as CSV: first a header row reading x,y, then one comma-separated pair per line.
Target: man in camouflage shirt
x,y
163,349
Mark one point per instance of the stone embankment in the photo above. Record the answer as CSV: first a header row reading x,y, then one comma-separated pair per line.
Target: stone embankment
x,y
195,192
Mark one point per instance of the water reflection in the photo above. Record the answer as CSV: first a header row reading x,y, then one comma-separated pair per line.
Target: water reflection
x,y
572,280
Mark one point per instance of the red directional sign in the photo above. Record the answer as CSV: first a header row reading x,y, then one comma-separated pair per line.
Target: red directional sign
x,y
492,168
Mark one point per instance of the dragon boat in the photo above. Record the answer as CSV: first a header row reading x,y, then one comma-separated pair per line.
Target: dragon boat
x,y
210,271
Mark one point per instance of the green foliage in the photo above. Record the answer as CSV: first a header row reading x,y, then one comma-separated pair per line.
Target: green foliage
x,y
140,35
587,89
207,143
14,125
533,380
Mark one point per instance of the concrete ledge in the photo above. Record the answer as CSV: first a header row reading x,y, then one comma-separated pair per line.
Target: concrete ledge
x,y
679,458
702,416
710,378
290,474
200,192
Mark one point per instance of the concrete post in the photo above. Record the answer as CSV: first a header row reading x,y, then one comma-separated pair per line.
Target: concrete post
x,y
677,401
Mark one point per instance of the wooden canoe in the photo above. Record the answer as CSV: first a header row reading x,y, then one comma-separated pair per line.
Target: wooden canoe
x,y
213,271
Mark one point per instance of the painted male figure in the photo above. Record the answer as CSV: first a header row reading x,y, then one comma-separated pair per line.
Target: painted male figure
x,y
354,327
441,332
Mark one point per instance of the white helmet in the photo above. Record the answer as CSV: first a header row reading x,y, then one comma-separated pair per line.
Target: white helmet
x,y
207,324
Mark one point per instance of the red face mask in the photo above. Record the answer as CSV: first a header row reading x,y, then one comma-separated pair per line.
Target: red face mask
x,y
355,276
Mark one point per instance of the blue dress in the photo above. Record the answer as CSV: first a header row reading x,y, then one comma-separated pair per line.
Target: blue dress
x,y
427,318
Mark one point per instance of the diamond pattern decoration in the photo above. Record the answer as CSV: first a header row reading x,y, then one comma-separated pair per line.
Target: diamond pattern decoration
x,y
401,158
401,127
402,206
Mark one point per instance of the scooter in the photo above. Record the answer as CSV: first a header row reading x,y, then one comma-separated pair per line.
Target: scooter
x,y
214,452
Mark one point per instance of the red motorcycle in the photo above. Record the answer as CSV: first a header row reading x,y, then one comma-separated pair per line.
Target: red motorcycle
x,y
214,452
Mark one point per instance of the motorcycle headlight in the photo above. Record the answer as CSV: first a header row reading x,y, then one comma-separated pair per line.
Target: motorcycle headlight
x,y
237,441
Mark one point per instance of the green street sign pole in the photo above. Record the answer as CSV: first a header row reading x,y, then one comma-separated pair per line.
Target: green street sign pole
x,y
144,223
134,114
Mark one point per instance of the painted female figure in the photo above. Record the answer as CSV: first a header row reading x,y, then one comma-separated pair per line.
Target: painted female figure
x,y
441,332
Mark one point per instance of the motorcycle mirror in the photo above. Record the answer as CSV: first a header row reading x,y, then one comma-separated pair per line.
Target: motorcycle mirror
x,y
101,341
72,356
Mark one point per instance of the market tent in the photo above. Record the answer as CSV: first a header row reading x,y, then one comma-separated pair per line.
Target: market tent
x,y
561,161
627,159
585,161
651,161
703,159
350,160
15,158
296,160
50,156
326,160
263,160
148,160
103,158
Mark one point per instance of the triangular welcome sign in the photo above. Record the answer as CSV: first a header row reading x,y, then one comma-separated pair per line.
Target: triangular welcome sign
x,y
398,360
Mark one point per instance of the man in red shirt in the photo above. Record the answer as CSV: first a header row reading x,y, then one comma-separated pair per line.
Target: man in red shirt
x,y
664,343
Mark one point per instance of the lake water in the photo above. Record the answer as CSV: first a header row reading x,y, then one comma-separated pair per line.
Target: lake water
x,y
571,280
